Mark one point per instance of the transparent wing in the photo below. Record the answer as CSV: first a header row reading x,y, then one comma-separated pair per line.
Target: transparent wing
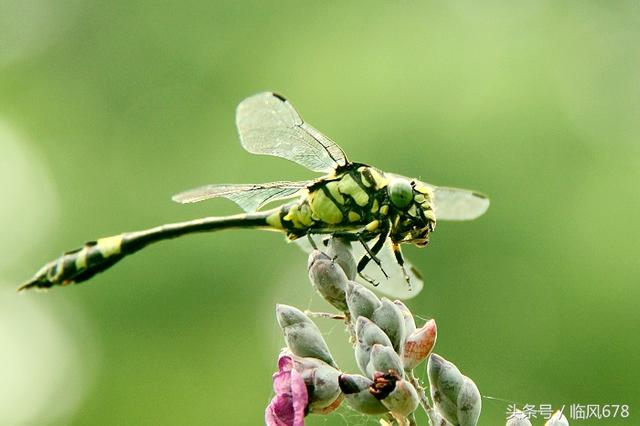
x,y
268,124
395,286
250,197
458,204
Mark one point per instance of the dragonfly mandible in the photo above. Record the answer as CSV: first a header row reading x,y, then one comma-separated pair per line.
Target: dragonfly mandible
x,y
377,211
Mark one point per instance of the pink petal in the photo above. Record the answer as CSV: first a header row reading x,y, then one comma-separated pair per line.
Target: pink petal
x,y
282,379
285,363
300,398
279,412
288,405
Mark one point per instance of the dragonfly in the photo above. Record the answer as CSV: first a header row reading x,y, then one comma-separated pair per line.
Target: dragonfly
x,y
358,203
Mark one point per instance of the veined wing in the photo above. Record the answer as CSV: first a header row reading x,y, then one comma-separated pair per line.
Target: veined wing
x,y
458,204
250,197
268,124
395,286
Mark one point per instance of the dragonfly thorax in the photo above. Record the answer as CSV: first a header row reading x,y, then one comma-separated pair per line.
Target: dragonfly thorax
x,y
362,199
355,196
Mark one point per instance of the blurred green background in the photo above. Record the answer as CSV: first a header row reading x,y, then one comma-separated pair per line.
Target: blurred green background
x,y
108,108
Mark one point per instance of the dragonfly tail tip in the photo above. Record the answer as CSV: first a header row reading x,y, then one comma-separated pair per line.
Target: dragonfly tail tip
x,y
25,286
36,282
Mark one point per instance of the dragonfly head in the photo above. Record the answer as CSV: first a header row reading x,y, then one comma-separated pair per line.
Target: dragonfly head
x,y
414,218
414,232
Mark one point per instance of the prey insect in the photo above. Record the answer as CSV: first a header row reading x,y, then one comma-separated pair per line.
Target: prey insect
x,y
377,211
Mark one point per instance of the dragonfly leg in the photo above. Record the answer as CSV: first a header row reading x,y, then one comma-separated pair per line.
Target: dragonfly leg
x,y
364,261
313,243
368,279
372,254
398,254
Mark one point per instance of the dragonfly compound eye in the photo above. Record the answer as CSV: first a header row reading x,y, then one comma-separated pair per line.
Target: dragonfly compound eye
x,y
400,193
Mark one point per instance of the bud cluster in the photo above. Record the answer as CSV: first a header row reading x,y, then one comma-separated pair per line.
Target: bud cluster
x,y
388,346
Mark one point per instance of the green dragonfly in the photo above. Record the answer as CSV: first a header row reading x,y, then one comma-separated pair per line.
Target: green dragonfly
x,y
377,211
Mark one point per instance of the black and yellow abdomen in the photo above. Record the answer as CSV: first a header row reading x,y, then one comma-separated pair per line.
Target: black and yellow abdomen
x,y
95,256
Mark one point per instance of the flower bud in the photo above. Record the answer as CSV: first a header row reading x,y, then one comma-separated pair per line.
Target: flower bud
x,y
384,358
409,322
340,250
367,335
301,334
288,315
403,400
445,382
469,403
328,278
302,363
518,418
361,301
389,318
323,388
455,396
356,392
329,408
398,395
558,419
419,344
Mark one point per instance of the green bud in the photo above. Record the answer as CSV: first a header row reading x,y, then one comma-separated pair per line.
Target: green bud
x,y
444,377
301,334
558,419
361,301
445,382
409,321
322,385
403,400
340,250
469,403
518,418
303,363
321,382
288,315
389,318
356,392
455,397
328,278
384,358
367,335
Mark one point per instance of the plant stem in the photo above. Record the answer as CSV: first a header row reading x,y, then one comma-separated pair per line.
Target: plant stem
x,y
326,315
424,401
